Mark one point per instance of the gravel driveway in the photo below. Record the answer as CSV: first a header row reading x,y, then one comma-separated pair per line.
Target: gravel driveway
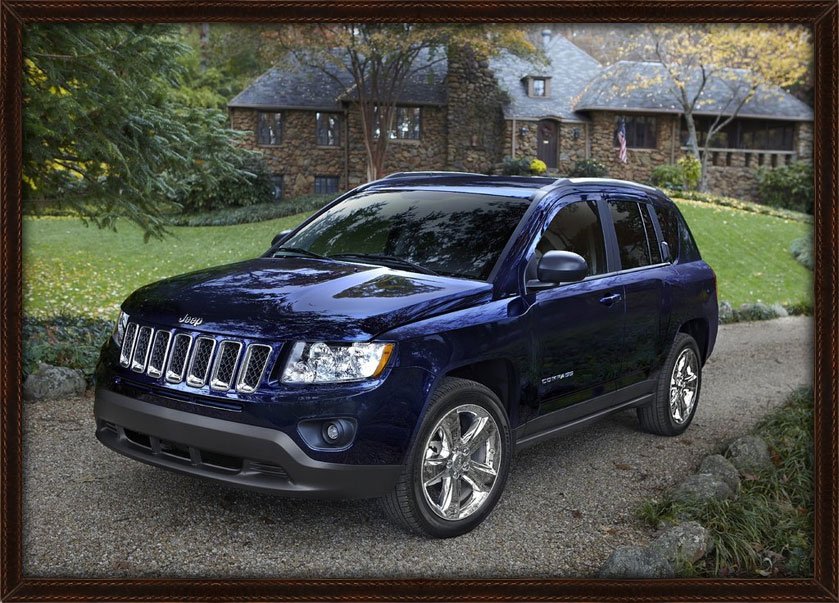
x,y
568,503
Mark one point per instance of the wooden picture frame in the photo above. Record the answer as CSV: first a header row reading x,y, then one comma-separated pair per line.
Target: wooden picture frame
x,y
821,15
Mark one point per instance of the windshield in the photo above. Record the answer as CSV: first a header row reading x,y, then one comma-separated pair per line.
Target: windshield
x,y
448,233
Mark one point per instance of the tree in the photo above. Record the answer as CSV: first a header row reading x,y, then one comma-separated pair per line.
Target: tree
x,y
373,63
103,132
735,62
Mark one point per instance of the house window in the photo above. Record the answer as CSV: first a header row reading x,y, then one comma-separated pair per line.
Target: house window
x,y
277,187
760,134
326,185
328,129
407,124
269,128
539,86
640,131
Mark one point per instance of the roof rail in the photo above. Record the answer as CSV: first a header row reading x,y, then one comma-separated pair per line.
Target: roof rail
x,y
430,174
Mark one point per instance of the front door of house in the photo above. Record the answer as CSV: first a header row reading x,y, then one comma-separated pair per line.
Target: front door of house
x,y
548,135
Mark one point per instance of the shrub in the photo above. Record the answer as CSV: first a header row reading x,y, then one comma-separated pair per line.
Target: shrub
x,y
756,208
668,176
204,194
71,341
788,187
588,168
691,169
253,213
516,167
538,167
802,251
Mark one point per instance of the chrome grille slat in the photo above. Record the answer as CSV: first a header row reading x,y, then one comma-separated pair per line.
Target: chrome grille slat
x,y
225,365
158,354
128,344
199,365
141,349
253,367
178,358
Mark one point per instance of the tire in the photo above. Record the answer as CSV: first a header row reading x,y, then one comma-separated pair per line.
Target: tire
x,y
658,417
440,456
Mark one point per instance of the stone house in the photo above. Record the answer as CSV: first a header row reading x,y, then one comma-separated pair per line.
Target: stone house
x,y
461,113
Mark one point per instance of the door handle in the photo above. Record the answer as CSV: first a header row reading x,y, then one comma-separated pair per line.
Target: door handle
x,y
610,300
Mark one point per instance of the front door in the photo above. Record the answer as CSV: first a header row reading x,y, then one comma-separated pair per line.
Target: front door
x,y
579,325
547,140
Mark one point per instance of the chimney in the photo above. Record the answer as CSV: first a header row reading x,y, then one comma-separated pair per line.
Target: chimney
x,y
546,37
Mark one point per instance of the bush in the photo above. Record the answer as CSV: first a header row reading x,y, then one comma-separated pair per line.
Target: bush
x,y
253,213
802,251
588,168
668,176
71,341
756,208
691,169
516,167
538,167
204,194
787,187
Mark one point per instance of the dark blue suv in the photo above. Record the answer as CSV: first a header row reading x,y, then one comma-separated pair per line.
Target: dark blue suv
x,y
405,339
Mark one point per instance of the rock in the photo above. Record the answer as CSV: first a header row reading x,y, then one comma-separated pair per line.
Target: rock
x,y
749,454
779,310
701,487
686,542
636,562
53,382
721,468
726,312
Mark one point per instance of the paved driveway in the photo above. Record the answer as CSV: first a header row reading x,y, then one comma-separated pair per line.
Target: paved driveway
x,y
568,503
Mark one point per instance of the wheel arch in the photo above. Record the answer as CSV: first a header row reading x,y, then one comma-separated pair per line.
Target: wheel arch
x,y
699,329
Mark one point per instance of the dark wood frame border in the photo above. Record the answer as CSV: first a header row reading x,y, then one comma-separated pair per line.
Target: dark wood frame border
x,y
821,15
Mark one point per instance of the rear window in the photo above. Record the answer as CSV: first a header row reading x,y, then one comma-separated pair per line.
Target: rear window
x,y
677,235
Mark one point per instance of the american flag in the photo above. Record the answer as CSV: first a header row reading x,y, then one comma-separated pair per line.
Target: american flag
x,y
622,141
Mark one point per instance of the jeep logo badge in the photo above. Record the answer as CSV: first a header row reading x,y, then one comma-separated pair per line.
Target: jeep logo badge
x,y
191,320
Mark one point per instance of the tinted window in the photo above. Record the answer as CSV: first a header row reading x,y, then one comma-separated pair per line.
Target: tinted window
x,y
457,234
669,229
577,228
632,238
652,238
689,250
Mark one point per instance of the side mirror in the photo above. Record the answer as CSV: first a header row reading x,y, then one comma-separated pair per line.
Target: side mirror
x,y
561,267
280,237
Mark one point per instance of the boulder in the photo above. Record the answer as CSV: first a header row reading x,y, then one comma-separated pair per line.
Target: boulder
x,y
636,562
726,312
749,454
686,542
701,487
53,382
721,468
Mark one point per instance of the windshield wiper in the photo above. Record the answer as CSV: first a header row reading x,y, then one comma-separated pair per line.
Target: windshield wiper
x,y
299,251
387,259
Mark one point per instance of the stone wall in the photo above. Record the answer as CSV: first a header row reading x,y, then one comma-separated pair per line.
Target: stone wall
x,y
570,150
298,158
475,117
427,153
525,143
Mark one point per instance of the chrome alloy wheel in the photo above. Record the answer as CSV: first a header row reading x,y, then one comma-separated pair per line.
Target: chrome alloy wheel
x,y
684,383
460,463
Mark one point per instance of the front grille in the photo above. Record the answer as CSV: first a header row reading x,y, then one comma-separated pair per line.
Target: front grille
x,y
178,358
199,366
225,365
141,350
252,367
199,361
157,357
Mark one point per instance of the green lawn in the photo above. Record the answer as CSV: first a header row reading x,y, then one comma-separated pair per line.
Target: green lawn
x,y
73,269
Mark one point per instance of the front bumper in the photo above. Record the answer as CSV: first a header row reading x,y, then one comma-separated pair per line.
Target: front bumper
x,y
242,455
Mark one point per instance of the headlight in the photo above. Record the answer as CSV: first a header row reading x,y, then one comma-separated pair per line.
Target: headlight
x,y
119,328
334,363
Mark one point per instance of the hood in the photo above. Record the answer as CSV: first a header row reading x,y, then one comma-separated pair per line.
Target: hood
x,y
301,298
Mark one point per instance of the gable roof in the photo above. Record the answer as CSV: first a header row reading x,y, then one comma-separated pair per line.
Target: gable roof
x,y
570,69
643,87
297,85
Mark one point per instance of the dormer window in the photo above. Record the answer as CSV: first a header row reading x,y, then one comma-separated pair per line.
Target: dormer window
x,y
538,86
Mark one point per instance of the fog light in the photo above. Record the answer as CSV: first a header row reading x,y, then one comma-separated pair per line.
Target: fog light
x,y
332,432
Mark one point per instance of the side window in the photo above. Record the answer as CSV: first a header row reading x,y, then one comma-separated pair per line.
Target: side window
x,y
652,238
577,228
669,229
631,234
690,252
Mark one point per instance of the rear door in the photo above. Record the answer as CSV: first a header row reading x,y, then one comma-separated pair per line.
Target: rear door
x,y
643,277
